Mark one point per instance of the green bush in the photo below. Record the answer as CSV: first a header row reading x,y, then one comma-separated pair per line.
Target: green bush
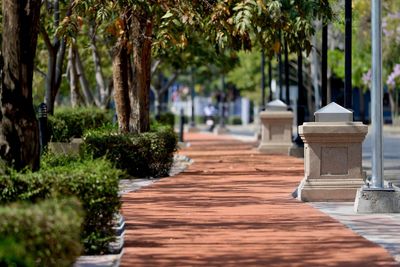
x,y
235,120
42,234
141,155
68,123
167,119
95,183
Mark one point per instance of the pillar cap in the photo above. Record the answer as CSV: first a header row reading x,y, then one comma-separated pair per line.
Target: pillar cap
x,y
333,113
276,105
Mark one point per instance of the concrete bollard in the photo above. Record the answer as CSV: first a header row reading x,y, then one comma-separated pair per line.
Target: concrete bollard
x,y
276,132
332,156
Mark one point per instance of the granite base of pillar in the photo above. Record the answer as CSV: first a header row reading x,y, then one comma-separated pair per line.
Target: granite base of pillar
x,y
385,200
329,190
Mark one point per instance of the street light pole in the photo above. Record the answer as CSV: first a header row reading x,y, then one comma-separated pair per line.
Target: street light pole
x,y
222,103
287,83
377,98
192,118
262,79
270,79
280,66
300,99
324,66
348,100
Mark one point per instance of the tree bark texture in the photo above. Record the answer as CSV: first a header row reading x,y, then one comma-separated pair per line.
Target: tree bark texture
x,y
89,99
103,90
142,29
121,61
73,78
19,134
56,50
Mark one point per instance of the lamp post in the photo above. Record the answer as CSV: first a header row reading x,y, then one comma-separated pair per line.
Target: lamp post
x,y
376,198
280,73
192,119
222,103
324,66
377,98
348,99
262,79
300,99
270,79
287,84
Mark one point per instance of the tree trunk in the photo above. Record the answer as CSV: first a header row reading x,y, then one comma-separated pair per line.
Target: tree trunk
x,y
392,105
56,50
19,134
121,85
89,99
104,91
315,67
73,79
142,29
50,81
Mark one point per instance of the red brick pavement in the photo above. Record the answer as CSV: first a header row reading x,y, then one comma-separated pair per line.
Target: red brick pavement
x,y
233,207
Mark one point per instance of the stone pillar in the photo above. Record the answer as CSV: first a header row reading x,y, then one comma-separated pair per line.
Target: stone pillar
x,y
276,133
332,156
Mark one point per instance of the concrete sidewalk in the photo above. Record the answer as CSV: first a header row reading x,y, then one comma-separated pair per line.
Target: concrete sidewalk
x,y
233,207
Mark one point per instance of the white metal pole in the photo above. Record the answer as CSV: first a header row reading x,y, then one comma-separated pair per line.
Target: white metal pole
x,y
377,99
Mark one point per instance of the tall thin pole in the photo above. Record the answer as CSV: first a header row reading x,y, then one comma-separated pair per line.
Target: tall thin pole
x,y
280,66
222,103
270,79
287,83
262,79
324,66
300,98
348,100
192,119
377,98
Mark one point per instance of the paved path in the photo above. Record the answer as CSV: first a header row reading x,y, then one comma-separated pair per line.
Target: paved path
x,y
233,207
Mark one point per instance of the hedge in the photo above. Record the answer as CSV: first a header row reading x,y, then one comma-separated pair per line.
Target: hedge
x,y
95,183
68,123
42,234
167,119
141,155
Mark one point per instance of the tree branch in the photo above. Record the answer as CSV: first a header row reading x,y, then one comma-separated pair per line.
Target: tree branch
x,y
154,66
169,83
40,72
46,39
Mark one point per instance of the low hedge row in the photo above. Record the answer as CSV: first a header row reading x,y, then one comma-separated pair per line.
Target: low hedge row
x,y
141,155
68,123
94,183
167,119
42,234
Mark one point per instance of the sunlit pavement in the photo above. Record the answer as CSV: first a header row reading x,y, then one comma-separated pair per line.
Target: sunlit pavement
x,y
233,207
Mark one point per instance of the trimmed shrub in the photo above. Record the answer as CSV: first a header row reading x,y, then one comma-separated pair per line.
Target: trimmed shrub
x,y
95,183
235,120
68,123
42,234
141,155
167,119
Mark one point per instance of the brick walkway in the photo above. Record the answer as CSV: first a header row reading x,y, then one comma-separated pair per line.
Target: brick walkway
x,y
233,207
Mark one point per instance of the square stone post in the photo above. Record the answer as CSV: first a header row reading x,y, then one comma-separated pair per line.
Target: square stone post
x,y
332,156
276,133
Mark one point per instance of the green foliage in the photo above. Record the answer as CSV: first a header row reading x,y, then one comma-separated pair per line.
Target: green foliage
x,y
235,120
42,234
141,155
68,123
93,182
246,76
167,119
